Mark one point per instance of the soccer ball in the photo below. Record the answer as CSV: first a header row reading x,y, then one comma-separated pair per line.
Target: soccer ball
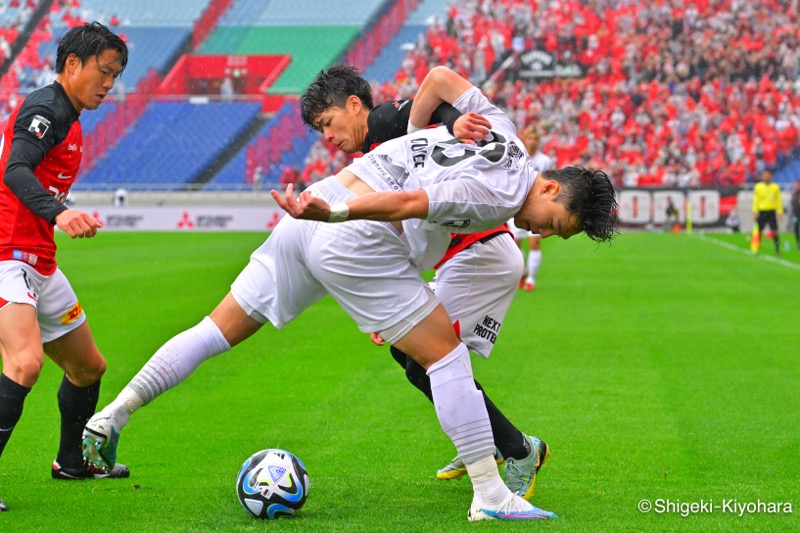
x,y
272,484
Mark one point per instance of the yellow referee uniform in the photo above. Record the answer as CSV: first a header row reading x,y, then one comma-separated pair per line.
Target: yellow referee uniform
x,y
767,197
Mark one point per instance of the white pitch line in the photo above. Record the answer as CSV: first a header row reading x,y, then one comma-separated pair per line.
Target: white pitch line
x,y
748,253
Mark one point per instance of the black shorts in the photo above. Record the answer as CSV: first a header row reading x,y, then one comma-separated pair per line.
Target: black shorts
x,y
768,218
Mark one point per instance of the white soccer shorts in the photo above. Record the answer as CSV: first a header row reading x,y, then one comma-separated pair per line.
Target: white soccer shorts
x,y
364,265
57,307
477,286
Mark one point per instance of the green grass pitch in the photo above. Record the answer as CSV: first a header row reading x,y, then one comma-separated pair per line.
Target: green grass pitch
x,y
663,367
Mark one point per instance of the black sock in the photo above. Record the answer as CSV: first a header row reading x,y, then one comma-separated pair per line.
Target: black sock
x,y
507,438
12,398
77,405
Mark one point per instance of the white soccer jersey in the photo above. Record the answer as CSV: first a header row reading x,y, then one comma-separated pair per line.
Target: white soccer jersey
x,y
470,188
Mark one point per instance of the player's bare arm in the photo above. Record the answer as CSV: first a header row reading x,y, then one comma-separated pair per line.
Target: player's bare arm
x,y
444,85
383,206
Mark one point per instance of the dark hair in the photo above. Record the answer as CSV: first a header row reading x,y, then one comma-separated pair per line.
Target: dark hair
x,y
331,88
89,40
589,193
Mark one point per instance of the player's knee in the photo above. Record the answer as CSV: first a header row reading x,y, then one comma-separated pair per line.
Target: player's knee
x,y
89,373
24,370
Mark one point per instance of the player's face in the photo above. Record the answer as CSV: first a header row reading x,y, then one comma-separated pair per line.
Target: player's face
x,y
543,214
344,127
91,82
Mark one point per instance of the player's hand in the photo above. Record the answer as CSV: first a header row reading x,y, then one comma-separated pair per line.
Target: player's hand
x,y
471,127
78,224
305,206
376,339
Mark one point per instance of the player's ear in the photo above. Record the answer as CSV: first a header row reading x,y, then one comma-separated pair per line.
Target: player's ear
x,y
551,188
73,63
354,103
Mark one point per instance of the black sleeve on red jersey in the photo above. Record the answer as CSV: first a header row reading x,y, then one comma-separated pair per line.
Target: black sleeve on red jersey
x,y
19,178
446,114
37,125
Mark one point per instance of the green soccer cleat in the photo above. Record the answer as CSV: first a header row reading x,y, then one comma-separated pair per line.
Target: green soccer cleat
x,y
521,473
100,440
455,469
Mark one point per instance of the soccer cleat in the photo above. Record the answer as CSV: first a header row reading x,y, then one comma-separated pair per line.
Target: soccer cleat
x,y
514,509
521,473
521,282
100,440
529,286
3,506
455,469
88,471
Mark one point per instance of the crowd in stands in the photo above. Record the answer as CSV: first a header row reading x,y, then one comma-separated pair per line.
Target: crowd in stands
x,y
669,92
672,92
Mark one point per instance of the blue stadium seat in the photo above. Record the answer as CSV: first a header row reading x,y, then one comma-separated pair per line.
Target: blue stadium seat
x,y
302,13
171,144
90,119
148,12
388,62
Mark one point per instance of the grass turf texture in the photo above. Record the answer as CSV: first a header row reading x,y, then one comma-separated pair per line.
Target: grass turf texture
x,y
664,366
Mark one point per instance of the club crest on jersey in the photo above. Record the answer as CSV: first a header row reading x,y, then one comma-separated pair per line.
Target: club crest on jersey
x,y
39,126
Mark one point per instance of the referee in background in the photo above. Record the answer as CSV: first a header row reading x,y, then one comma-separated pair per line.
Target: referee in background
x,y
768,207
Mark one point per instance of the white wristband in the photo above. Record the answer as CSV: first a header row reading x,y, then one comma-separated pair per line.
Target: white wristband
x,y
339,212
412,128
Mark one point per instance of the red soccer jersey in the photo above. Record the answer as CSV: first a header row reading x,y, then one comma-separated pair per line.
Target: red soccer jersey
x,y
42,119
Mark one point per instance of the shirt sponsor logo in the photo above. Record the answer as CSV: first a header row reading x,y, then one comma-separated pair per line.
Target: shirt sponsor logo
x,y
461,224
25,257
61,176
72,315
488,329
394,175
39,126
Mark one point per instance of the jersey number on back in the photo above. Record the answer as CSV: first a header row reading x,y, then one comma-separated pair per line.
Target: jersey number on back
x,y
492,151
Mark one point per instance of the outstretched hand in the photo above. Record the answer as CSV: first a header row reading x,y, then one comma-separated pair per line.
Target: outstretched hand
x,y
471,127
305,206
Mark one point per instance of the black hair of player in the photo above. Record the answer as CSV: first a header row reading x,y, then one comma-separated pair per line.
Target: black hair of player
x,y
89,40
590,194
331,88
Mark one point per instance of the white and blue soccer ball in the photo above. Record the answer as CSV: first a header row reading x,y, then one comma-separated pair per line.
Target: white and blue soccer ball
x,y
272,484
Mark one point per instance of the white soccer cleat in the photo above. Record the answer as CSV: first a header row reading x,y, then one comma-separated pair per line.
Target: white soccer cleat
x,y
514,509
100,440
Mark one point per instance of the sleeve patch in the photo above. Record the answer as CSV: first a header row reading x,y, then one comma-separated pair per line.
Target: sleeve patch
x,y
39,126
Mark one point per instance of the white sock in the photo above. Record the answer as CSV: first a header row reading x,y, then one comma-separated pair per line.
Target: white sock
x,y
534,260
487,483
460,406
168,367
